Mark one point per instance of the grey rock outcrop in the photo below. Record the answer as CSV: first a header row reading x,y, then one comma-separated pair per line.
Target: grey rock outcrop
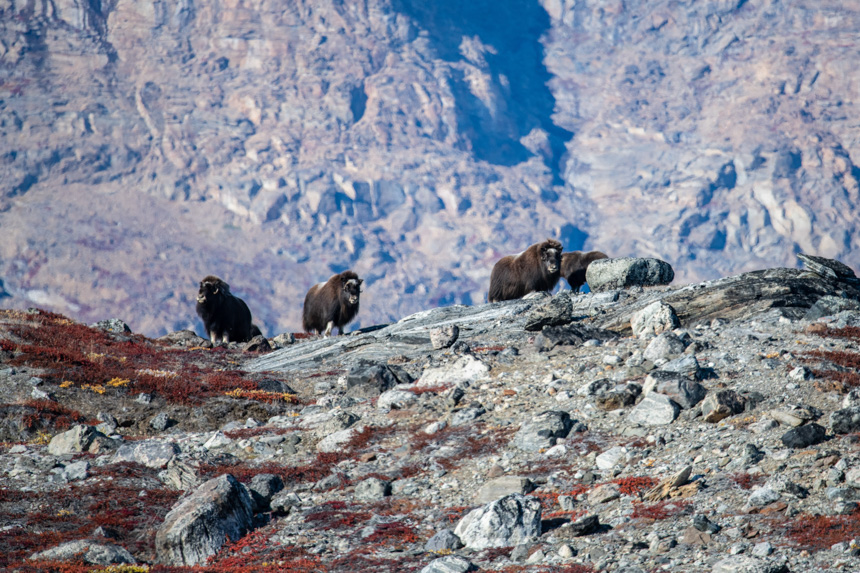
x,y
654,410
152,454
199,525
683,391
608,274
263,488
665,347
76,440
654,319
509,521
449,564
374,380
846,420
89,552
502,486
443,540
542,431
572,335
722,404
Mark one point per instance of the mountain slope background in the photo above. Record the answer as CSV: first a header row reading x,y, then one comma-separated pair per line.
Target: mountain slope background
x,y
144,145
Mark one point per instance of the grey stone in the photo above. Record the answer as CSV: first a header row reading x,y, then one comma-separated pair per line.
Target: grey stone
x,y
763,496
464,370
262,489
705,525
830,305
284,339
845,421
372,489
851,399
686,365
654,410
395,399
151,454
179,475
466,415
371,381
664,347
509,521
800,374
257,344
738,564
804,436
88,551
114,325
828,268
161,422
684,392
77,439
444,540
604,493
556,311
196,527
76,470
542,431
608,274
283,501
572,335
611,457
444,336
337,441
720,405
653,320
449,564
584,526
502,486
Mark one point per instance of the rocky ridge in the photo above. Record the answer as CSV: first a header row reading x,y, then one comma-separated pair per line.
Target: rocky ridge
x,y
711,427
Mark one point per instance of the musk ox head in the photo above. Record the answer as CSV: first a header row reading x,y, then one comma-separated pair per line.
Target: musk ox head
x,y
351,286
550,255
211,289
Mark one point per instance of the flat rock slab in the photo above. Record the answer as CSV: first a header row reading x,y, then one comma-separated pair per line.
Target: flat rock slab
x,y
409,337
732,298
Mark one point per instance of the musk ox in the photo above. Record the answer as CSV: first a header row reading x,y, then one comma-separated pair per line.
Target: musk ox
x,y
332,303
225,317
535,269
575,263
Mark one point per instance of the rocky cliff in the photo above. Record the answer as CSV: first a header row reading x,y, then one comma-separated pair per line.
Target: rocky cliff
x,y
144,145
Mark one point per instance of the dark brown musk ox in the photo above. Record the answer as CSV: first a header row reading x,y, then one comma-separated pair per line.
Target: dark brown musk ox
x,y
332,304
225,317
535,269
575,263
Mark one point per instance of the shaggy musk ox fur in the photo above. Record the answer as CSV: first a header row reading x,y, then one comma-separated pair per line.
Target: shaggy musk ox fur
x,y
575,263
332,303
535,269
225,317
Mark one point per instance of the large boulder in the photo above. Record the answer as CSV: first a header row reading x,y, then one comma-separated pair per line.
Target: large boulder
x,y
73,441
506,522
609,274
464,370
197,527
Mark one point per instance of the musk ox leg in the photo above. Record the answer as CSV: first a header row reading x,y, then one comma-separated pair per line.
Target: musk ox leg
x,y
328,328
226,338
213,337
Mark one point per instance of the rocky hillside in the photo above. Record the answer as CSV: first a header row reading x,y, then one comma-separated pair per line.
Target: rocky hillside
x,y
708,428
144,146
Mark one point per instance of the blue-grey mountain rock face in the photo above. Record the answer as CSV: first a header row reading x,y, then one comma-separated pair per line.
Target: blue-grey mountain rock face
x,y
144,148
